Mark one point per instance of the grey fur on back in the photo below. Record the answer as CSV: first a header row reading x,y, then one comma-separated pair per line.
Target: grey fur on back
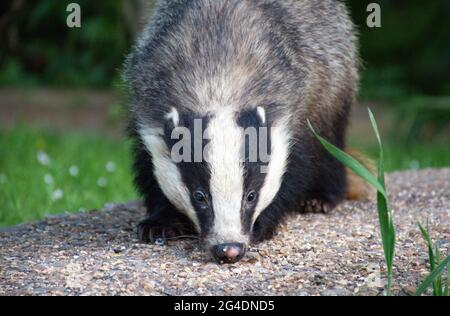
x,y
296,58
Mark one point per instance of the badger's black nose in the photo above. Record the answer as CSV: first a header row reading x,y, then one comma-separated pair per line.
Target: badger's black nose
x,y
228,253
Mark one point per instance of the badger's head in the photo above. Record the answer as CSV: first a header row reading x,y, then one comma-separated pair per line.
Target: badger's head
x,y
221,169
227,70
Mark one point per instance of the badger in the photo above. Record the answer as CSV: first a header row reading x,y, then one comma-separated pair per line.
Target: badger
x,y
216,68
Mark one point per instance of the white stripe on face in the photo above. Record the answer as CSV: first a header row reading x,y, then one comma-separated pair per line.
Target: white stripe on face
x,y
167,173
280,142
223,153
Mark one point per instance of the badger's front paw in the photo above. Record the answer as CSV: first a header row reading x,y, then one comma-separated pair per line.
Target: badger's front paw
x,y
151,232
317,206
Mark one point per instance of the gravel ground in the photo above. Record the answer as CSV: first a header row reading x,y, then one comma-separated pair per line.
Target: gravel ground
x,y
96,253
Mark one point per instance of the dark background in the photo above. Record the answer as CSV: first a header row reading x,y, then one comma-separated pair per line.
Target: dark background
x,y
410,53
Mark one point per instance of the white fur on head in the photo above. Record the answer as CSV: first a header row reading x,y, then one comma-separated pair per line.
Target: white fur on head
x,y
167,173
223,154
280,143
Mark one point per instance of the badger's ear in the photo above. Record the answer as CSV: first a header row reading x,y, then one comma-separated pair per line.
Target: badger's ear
x,y
173,117
172,121
261,112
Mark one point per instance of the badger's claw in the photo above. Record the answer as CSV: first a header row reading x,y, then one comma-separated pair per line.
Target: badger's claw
x,y
144,232
153,234
317,206
148,232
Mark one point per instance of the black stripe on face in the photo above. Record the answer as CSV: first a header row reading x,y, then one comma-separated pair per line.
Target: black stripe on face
x,y
257,148
194,169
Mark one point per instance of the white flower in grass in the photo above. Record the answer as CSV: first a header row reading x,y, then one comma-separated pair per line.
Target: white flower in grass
x,y
102,182
74,171
43,158
3,178
414,164
58,194
110,166
48,179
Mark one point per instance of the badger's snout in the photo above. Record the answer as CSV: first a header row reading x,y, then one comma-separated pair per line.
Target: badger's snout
x,y
229,252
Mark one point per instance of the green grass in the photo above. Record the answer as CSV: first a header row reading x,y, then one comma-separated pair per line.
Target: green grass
x,y
24,193
398,155
437,265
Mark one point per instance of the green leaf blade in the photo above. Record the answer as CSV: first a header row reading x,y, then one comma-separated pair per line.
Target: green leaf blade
x,y
384,212
432,276
387,228
349,162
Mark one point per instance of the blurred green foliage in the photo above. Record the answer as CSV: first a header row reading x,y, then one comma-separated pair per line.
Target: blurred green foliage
x,y
38,48
409,54
406,65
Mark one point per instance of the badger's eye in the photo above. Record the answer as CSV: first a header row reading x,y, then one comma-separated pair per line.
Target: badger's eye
x,y
251,196
199,196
